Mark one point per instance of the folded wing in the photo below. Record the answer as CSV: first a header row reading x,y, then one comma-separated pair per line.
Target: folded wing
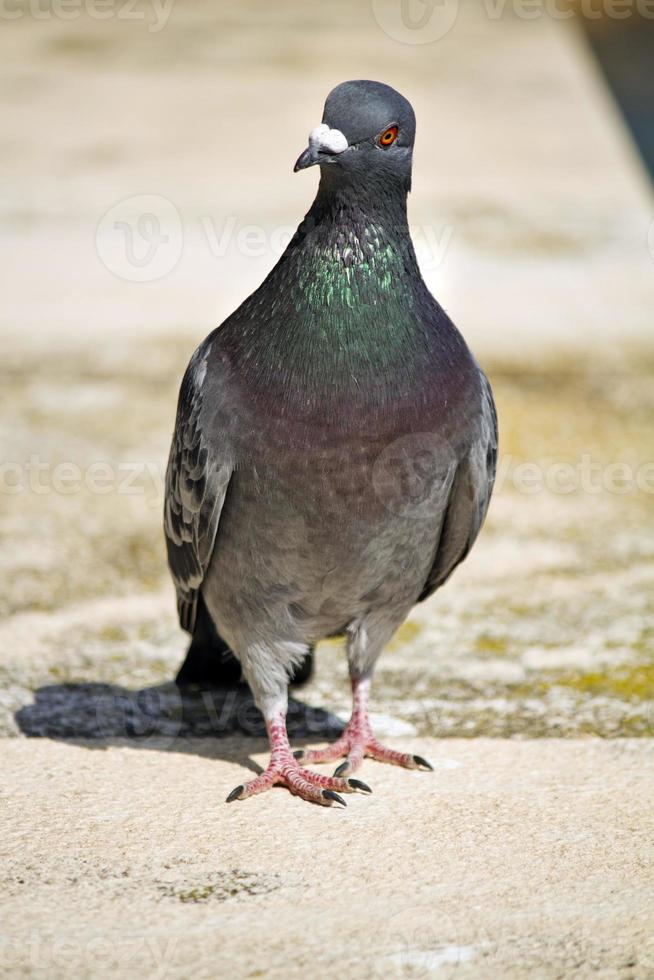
x,y
468,500
197,479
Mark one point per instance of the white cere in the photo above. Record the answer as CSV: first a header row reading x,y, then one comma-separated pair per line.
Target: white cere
x,y
324,138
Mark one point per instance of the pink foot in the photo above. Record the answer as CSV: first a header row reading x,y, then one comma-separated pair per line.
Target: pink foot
x,y
358,741
284,769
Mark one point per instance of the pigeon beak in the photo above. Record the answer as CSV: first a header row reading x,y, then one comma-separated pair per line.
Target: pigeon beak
x,y
324,145
306,159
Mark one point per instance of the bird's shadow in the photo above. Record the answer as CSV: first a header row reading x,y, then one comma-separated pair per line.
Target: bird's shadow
x,y
165,718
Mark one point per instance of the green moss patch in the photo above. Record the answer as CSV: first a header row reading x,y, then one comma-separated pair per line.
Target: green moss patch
x,y
223,886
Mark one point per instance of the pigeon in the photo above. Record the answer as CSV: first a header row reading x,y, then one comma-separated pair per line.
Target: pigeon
x,y
334,448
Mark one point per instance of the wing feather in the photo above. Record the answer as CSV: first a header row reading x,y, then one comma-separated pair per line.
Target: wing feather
x,y
468,500
197,478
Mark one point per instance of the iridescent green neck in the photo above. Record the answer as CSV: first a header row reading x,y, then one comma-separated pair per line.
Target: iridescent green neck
x,y
356,253
340,319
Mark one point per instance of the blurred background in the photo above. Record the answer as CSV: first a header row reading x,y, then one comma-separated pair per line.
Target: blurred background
x,y
147,153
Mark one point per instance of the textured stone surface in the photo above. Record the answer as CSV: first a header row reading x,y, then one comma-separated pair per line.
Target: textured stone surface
x,y
511,859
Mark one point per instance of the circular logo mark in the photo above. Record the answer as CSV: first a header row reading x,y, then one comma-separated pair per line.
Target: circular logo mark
x,y
414,946
152,714
416,21
413,475
140,239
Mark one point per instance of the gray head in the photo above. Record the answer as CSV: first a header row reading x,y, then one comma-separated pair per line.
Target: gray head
x,y
367,130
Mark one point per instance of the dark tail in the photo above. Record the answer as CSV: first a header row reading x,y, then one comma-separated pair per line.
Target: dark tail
x,y
210,663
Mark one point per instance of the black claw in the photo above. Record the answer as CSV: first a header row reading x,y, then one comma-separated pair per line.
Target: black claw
x,y
235,793
342,769
298,754
419,761
358,784
329,794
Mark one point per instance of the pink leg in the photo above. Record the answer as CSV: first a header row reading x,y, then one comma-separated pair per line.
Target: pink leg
x,y
358,740
284,768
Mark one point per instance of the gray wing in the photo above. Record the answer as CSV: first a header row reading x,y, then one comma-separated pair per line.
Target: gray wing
x,y
468,500
196,484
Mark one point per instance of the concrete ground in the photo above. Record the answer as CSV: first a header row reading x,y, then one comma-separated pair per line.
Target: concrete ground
x,y
511,859
528,680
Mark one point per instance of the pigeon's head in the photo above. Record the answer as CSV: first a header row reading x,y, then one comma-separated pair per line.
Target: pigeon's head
x,y
367,130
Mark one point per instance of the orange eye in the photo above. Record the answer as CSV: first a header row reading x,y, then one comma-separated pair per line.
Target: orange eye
x,y
388,137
